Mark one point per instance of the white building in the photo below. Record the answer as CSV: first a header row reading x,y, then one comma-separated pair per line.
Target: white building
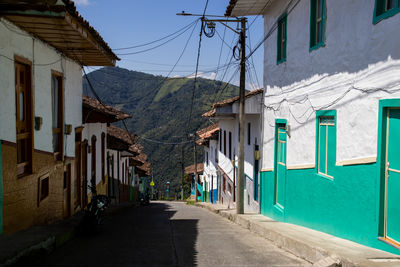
x,y
227,114
209,140
95,118
331,118
41,108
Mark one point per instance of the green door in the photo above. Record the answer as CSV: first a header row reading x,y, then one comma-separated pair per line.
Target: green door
x,y
393,175
280,166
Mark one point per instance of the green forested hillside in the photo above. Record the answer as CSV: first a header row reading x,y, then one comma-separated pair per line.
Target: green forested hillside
x,y
160,109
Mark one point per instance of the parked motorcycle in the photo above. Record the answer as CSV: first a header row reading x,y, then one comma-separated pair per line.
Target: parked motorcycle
x,y
94,212
144,199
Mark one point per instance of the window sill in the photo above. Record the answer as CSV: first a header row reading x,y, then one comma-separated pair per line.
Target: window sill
x,y
315,47
326,176
385,15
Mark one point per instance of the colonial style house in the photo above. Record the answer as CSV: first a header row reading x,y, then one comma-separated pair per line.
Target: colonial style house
x,y
331,116
226,113
189,171
93,143
140,170
43,47
120,148
208,138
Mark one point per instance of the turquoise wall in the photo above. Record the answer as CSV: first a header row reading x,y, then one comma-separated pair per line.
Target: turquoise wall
x,y
346,206
1,191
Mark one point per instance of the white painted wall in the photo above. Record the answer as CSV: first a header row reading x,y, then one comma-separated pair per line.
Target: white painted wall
x,y
210,169
358,60
44,58
225,163
95,129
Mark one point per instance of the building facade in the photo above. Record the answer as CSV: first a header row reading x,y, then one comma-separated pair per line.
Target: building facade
x,y
41,108
208,139
226,113
330,117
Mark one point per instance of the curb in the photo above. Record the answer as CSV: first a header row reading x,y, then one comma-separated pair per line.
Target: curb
x,y
315,255
59,233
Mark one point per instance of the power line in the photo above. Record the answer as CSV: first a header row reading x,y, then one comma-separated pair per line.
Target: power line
x,y
197,68
35,64
155,41
157,46
176,63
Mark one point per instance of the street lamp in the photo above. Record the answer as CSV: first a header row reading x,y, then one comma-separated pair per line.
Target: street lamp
x,y
242,40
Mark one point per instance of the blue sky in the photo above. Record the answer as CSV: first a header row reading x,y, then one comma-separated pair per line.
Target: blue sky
x,y
125,23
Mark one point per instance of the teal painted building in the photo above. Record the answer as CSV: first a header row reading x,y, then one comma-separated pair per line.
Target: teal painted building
x,y
330,149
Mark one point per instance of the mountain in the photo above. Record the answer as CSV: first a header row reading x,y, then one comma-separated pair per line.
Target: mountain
x,y
160,109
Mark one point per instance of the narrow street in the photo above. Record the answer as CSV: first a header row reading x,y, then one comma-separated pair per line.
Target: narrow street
x,y
168,234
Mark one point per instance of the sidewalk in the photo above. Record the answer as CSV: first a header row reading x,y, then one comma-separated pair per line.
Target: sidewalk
x,y
319,248
43,239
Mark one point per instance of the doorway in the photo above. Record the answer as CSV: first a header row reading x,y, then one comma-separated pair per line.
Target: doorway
x,y
392,176
280,165
67,191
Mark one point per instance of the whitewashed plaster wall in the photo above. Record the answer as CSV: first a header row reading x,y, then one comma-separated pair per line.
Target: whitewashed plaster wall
x,y
210,169
95,129
223,161
359,64
114,170
44,59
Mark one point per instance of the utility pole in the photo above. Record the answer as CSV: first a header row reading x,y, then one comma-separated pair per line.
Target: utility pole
x,y
240,176
195,169
182,171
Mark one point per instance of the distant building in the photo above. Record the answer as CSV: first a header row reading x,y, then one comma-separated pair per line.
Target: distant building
x,y
93,144
226,112
208,138
190,171
43,48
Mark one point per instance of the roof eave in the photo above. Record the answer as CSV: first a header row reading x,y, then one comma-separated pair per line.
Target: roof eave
x,y
53,24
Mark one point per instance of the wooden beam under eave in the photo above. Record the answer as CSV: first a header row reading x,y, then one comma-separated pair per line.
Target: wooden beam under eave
x,y
69,19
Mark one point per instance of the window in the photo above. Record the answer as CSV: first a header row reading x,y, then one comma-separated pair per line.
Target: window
x,y
225,143
24,116
43,187
326,142
385,9
317,24
224,183
103,157
58,113
249,133
220,140
230,145
282,39
93,174
206,158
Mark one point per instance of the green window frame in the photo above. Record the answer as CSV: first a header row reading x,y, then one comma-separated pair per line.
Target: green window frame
x,y
317,23
385,9
326,142
282,39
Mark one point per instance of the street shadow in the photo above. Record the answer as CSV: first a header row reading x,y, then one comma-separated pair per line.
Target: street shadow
x,y
153,235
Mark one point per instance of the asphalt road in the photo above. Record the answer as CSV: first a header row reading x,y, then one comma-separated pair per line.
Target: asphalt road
x,y
168,234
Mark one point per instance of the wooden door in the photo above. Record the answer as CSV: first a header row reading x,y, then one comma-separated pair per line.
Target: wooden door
x,y
84,173
78,167
280,167
23,101
392,174
67,191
